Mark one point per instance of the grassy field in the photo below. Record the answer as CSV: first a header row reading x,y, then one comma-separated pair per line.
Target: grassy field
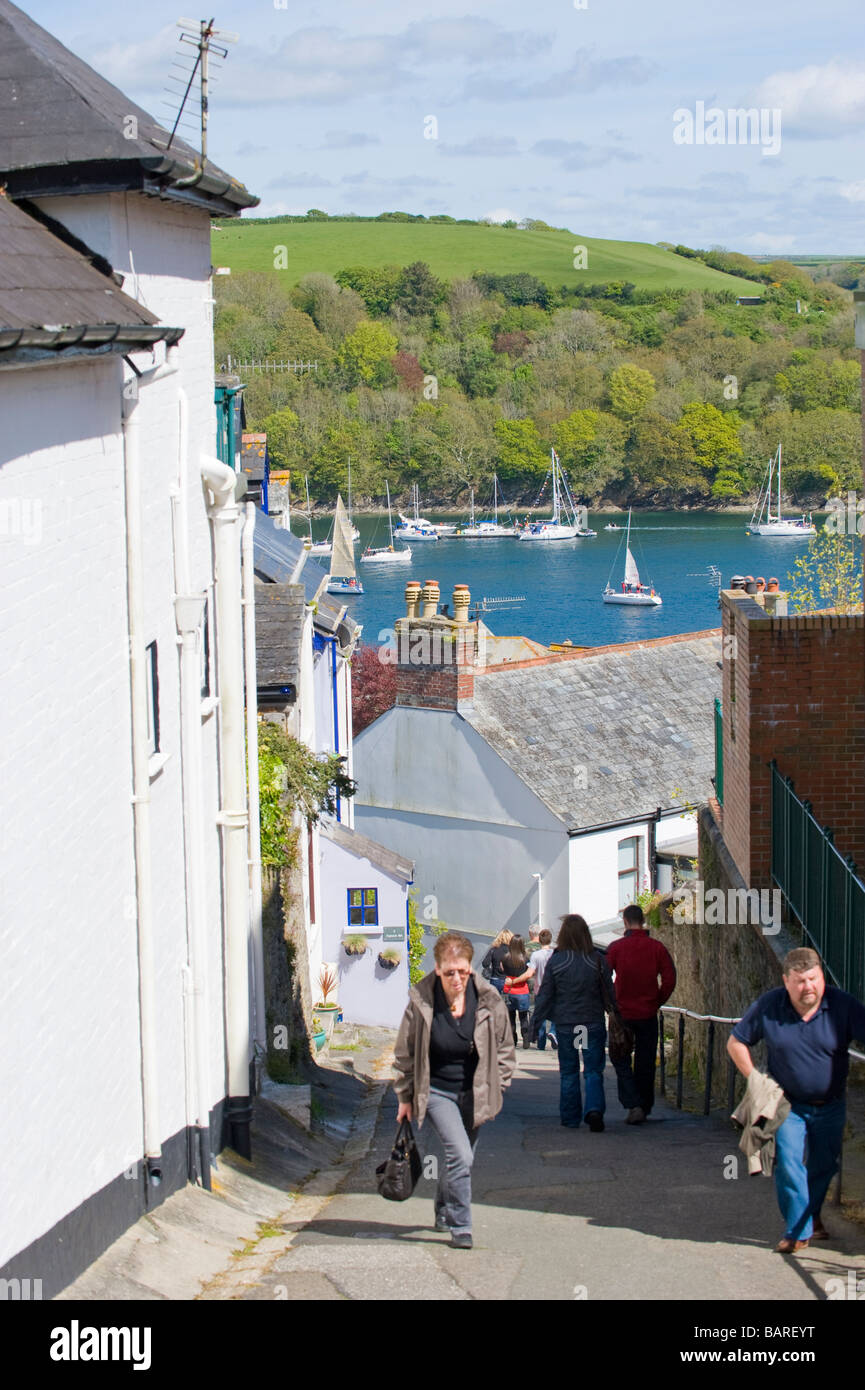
x,y
453,252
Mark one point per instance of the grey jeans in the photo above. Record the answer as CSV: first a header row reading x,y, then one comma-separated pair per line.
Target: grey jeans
x,y
451,1121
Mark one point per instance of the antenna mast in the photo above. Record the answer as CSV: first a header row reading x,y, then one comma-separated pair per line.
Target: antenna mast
x,y
200,34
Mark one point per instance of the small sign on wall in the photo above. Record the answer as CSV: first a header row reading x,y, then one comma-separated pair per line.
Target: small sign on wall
x,y
393,934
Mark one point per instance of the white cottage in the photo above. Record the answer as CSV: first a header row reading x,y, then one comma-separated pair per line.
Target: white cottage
x,y
125,1029
526,783
351,884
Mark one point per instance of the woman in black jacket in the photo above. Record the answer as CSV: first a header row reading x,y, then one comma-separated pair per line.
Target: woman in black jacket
x,y
572,996
493,962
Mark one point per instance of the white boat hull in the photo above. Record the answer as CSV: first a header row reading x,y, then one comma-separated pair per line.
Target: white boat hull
x,y
782,528
410,534
387,557
632,600
546,531
492,532
341,586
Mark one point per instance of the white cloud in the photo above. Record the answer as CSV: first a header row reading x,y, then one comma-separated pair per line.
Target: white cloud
x,y
347,140
819,101
502,215
576,154
471,40
482,147
300,181
853,192
770,242
585,74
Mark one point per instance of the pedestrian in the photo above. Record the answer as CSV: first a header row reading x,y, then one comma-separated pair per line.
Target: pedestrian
x,y
572,995
518,972
491,964
542,1027
807,1026
454,1058
645,979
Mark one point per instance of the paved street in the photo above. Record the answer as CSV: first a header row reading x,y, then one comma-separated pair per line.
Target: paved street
x,y
636,1212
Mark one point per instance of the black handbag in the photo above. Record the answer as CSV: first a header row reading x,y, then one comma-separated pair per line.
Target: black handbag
x,y
620,1039
397,1177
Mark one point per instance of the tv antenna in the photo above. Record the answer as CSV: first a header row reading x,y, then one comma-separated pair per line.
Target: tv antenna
x,y
208,43
712,575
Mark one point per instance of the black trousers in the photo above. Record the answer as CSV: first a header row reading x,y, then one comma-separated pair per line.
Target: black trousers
x,y
636,1078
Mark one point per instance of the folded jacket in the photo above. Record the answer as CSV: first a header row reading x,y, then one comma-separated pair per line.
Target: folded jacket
x,y
760,1114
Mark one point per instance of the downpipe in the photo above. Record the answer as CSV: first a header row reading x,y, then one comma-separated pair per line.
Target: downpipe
x,y
219,484
254,825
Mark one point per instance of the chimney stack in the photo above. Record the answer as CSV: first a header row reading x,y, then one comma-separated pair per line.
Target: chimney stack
x,y
412,598
436,655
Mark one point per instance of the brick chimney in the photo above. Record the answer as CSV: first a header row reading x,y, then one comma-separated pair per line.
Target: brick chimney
x,y
437,657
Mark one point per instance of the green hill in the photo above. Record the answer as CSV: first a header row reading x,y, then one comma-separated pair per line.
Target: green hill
x,y
457,251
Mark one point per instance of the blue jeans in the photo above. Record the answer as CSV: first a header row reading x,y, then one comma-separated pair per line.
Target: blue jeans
x,y
807,1147
544,1028
518,1006
570,1099
452,1123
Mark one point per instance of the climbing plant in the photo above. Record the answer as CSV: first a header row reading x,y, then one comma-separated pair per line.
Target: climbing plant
x,y
292,778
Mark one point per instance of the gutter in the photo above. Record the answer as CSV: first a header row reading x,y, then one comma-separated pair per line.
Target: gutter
x,y
132,337
247,553
653,816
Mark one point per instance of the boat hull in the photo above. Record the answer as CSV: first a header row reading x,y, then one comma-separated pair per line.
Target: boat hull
x,y
550,533
341,586
387,557
782,529
633,600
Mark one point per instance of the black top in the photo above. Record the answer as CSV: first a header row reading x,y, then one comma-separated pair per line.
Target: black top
x,y
571,989
452,1053
494,960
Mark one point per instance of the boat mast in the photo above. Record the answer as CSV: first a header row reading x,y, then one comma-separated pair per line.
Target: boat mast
x,y
779,480
308,508
555,488
628,543
472,510
495,499
349,487
389,522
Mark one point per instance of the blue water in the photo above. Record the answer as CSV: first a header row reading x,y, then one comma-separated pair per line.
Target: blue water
x,y
563,581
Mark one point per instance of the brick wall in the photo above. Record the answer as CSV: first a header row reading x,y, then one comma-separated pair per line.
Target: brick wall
x,y
437,662
793,690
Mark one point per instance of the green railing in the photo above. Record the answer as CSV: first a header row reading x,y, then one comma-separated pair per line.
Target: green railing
x,y
719,753
821,886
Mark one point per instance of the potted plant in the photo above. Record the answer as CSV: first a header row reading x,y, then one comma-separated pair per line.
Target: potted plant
x,y
389,958
354,945
319,1034
327,1008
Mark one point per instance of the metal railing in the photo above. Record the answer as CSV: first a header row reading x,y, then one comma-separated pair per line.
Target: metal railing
x,y
730,1102
719,753
820,885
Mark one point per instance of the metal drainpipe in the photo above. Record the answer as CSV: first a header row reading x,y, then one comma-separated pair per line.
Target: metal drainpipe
x,y
141,791
189,609
335,715
220,481
254,829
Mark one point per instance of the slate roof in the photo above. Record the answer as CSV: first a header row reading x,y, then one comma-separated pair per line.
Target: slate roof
x,y
639,721
279,610
365,848
50,293
281,559
56,112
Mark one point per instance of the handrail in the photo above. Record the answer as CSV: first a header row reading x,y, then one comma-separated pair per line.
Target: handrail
x,y
712,1019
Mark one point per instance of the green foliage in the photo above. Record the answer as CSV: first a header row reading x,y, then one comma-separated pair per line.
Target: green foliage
x,y
416,943
521,452
365,350
714,435
827,575
631,389
291,779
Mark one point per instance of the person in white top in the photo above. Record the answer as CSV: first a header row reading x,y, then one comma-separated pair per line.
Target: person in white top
x,y
539,961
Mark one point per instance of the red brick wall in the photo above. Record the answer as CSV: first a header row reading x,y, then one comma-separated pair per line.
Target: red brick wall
x,y
799,687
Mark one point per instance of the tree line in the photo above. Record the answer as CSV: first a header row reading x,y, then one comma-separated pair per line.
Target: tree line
x,y
672,397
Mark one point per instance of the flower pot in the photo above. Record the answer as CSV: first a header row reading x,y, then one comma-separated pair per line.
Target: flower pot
x,y
387,964
326,1015
319,1039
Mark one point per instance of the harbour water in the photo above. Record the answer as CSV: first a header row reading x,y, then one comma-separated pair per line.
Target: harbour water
x,y
562,581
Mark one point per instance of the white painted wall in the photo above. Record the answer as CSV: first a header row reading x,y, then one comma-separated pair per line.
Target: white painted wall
x,y
432,789
69,1028
594,889
367,993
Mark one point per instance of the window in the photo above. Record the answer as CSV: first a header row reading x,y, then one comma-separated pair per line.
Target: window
x,y
629,869
363,907
152,673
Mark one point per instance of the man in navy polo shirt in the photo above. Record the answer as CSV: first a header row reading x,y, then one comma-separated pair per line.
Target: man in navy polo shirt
x,y
807,1028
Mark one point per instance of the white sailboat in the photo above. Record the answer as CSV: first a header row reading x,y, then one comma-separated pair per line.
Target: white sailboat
x,y
417,528
632,593
563,506
387,554
313,547
764,523
489,529
343,574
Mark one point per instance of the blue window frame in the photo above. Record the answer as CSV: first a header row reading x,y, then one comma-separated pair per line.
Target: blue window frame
x,y
363,907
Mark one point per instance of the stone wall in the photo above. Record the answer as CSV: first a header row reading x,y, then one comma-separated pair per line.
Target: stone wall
x,y
288,1004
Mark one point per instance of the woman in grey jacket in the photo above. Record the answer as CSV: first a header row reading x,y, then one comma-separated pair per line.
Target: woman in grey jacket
x,y
454,1057
572,996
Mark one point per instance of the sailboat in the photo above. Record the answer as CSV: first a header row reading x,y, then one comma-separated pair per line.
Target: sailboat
x,y
563,506
488,529
763,523
313,547
386,554
632,592
343,574
417,528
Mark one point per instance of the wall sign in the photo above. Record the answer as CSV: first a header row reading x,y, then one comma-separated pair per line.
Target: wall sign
x,y
393,934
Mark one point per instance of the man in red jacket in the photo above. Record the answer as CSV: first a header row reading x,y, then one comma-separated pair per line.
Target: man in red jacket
x,y
645,977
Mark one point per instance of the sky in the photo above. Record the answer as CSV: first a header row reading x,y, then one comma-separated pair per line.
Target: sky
x,y
587,114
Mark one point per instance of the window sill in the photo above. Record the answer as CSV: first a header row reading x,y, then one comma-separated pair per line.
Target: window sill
x,y
156,764
208,706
